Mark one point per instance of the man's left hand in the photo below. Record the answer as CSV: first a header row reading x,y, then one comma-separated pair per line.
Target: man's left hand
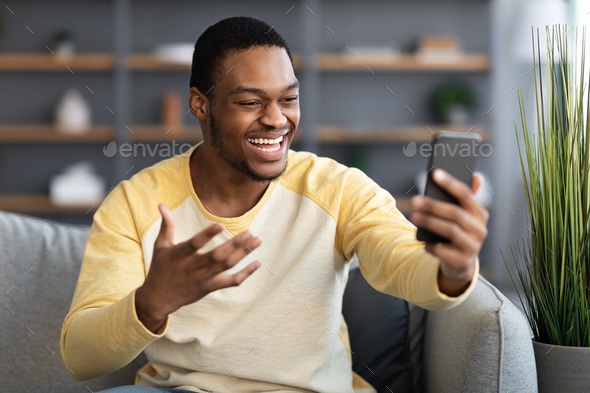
x,y
463,225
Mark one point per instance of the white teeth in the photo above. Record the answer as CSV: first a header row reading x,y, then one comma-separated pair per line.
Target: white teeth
x,y
273,149
266,141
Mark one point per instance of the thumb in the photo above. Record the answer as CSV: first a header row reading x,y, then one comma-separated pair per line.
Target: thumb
x,y
166,235
476,182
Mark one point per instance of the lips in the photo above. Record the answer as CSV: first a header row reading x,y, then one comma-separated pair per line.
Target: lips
x,y
267,136
269,153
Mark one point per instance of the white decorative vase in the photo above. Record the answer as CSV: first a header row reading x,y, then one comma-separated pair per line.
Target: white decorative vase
x,y
72,114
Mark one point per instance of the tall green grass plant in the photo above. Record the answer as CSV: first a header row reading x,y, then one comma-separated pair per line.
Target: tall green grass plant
x,y
553,263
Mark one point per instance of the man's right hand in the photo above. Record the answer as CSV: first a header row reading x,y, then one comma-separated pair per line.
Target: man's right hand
x,y
179,274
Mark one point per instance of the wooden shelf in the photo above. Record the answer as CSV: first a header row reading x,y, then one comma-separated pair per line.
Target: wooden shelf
x,y
401,63
42,133
39,203
51,62
325,62
391,135
160,133
149,62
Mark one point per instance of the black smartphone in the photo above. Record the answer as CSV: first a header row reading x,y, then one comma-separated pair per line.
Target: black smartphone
x,y
456,153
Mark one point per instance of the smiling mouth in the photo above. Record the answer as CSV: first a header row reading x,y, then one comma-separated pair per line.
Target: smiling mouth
x,y
269,145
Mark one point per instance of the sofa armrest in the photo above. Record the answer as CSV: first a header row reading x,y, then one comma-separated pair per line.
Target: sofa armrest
x,y
482,345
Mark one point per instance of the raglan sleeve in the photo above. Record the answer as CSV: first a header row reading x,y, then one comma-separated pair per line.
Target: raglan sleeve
x,y
390,258
102,333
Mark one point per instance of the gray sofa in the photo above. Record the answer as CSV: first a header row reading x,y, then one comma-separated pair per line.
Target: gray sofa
x,y
482,345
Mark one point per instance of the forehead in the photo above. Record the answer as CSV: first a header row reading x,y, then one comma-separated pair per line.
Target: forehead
x,y
266,68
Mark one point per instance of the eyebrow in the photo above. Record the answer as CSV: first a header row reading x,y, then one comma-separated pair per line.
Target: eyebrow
x,y
256,90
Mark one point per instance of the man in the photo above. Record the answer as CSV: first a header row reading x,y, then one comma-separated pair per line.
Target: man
x,y
227,264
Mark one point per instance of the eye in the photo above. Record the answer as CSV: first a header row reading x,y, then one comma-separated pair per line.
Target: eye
x,y
250,103
291,99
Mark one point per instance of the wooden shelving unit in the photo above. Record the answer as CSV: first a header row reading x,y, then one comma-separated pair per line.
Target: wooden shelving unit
x,y
44,133
407,62
390,135
39,203
159,133
41,133
149,62
19,62
123,64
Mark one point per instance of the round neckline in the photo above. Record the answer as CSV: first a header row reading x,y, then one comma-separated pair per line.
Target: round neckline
x,y
211,217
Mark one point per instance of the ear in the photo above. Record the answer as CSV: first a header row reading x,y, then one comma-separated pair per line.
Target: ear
x,y
199,103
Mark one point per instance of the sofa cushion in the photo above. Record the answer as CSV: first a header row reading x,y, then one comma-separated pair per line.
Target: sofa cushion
x,y
378,328
39,264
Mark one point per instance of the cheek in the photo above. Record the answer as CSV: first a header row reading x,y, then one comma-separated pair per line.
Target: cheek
x,y
233,122
293,114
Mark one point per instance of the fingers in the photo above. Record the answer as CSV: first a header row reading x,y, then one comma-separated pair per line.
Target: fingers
x,y
231,252
448,229
455,263
166,235
451,212
221,280
461,191
193,244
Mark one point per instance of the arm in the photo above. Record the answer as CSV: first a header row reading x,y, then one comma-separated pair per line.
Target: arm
x,y
102,332
390,257
117,310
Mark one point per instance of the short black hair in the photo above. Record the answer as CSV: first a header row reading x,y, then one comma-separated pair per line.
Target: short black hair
x,y
235,33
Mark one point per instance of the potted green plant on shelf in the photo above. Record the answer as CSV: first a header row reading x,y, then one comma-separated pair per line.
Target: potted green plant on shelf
x,y
553,264
453,102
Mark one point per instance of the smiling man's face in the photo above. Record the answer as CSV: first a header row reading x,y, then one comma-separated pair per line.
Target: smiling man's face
x,y
256,96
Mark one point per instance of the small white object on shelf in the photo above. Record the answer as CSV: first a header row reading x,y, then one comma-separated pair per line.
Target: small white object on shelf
x,y
389,49
439,49
375,55
77,185
180,53
72,113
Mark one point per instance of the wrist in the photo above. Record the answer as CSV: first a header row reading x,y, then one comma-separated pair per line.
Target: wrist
x,y
149,314
452,287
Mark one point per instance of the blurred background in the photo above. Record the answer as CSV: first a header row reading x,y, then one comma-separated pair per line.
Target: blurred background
x,y
92,92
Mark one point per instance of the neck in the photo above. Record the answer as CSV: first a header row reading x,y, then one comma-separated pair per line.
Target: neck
x,y
227,191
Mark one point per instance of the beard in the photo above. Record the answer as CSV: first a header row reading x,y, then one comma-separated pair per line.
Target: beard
x,y
222,148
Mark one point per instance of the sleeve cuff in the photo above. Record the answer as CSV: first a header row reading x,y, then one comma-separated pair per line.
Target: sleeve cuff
x,y
465,294
140,327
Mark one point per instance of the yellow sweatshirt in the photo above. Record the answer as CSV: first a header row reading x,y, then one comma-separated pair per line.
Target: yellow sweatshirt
x,y
282,329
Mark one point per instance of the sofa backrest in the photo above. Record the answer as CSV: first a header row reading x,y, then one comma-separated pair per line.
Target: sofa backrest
x,y
39,267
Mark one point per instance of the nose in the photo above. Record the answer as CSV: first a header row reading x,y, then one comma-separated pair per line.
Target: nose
x,y
273,116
